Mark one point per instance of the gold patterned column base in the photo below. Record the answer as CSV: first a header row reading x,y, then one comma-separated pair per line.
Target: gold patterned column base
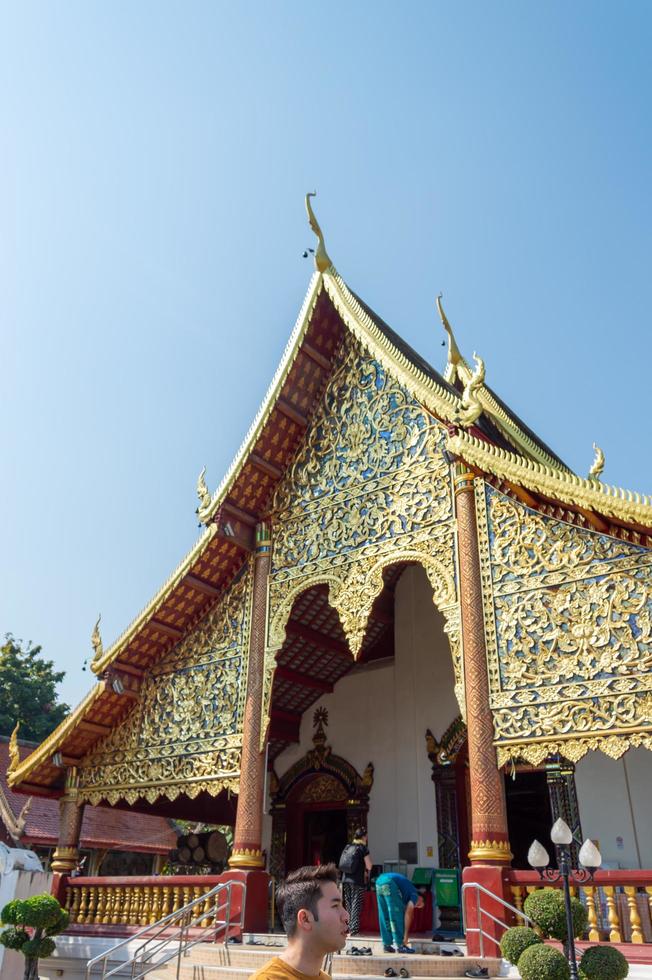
x,y
247,858
65,859
490,852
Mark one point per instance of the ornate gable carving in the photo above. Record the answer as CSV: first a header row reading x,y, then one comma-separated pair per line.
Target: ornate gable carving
x,y
370,487
185,733
569,633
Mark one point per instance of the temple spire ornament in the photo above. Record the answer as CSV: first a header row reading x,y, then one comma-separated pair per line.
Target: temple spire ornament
x,y
471,409
204,497
454,356
14,754
96,641
322,261
598,463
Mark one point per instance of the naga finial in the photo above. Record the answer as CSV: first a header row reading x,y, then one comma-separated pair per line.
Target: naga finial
x,y
598,463
322,261
205,498
454,355
96,641
471,409
14,753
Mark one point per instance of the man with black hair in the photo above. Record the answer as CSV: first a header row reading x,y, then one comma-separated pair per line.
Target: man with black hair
x,y
316,923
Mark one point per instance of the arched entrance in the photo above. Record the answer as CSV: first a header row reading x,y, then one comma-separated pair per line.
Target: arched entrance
x,y
319,801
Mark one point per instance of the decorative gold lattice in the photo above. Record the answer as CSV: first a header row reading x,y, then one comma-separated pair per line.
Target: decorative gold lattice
x,y
369,488
185,733
569,634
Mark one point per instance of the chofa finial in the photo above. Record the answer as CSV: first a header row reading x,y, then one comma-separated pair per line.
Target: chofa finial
x,y
204,497
322,261
471,409
454,355
598,464
14,753
96,641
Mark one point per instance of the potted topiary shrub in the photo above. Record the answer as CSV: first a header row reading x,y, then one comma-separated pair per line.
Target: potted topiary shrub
x,y
603,963
541,962
547,910
516,940
32,923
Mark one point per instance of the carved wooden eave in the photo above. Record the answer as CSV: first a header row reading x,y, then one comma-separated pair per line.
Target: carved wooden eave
x,y
497,446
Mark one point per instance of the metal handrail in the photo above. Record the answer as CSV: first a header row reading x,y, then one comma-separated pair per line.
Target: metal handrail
x,y
480,889
142,956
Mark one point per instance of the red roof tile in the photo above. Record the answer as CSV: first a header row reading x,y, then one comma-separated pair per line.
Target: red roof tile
x,y
102,827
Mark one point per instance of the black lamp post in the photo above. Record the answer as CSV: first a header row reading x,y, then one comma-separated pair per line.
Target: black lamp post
x,y
590,861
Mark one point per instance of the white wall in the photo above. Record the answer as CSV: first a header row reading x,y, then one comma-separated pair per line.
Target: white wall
x,y
380,714
615,801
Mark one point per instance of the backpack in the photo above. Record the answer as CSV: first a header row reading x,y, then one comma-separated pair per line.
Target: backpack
x,y
351,859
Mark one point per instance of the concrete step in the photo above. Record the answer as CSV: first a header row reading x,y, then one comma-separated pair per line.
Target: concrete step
x,y
229,964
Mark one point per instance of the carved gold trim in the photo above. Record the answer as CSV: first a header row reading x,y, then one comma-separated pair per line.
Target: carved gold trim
x,y
443,402
55,739
613,743
65,859
99,666
289,356
247,858
625,505
495,851
14,752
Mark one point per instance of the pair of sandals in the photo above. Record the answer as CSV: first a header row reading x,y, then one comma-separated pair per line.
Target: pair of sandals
x,y
358,951
391,972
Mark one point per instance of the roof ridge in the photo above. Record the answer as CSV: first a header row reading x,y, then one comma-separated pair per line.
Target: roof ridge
x,y
601,498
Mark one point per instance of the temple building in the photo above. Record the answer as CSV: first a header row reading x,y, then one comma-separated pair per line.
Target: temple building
x,y
404,611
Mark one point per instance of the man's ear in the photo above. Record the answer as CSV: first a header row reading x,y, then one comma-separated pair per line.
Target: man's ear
x,y
304,919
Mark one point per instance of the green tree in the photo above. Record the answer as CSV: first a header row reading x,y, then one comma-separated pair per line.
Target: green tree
x,y
28,692
33,921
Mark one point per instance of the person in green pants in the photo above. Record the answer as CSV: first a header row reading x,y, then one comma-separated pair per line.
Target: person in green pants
x,y
397,899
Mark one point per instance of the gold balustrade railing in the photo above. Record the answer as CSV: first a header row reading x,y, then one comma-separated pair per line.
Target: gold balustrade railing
x,y
618,903
138,901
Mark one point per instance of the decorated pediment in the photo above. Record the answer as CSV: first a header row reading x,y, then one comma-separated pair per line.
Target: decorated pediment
x,y
185,733
570,643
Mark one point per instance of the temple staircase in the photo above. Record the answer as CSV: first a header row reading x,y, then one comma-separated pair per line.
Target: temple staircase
x,y
212,961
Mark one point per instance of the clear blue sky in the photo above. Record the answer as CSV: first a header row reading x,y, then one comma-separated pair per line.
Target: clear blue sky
x,y
153,162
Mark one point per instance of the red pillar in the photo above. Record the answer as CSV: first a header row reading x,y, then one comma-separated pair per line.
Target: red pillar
x,y
247,860
490,854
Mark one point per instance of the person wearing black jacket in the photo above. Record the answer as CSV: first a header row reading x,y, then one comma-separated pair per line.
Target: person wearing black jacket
x,y
355,865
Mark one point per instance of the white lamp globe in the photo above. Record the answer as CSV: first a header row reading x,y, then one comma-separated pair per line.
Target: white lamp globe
x,y
537,855
561,833
590,856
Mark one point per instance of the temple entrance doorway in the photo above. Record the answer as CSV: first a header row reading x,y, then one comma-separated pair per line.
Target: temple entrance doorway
x,y
324,836
529,813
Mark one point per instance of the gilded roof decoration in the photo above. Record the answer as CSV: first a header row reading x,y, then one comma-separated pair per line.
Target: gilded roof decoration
x,y
184,734
471,409
625,505
369,488
454,355
569,634
598,464
322,261
14,752
96,642
204,497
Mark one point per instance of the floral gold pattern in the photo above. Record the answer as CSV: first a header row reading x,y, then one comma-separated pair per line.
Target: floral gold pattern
x,y
369,488
185,733
569,630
